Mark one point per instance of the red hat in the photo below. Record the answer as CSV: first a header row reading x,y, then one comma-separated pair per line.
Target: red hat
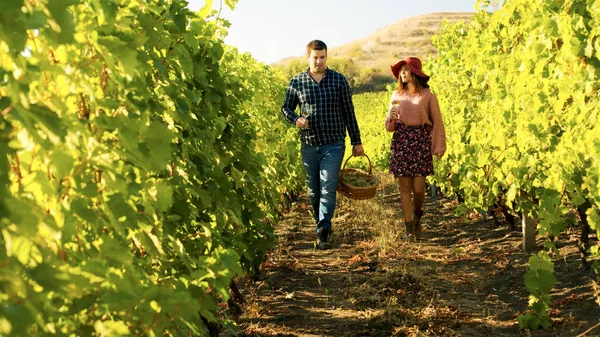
x,y
414,64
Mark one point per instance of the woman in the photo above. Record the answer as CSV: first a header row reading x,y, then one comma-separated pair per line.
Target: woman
x,y
414,117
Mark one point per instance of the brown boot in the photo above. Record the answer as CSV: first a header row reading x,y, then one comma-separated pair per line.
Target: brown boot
x,y
410,231
417,228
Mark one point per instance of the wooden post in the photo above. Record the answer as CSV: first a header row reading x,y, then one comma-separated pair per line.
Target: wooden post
x,y
529,232
433,190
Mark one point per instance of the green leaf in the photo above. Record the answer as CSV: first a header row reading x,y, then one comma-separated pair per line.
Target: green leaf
x,y
13,26
545,280
21,317
122,52
185,59
69,228
36,20
231,3
156,145
5,326
63,163
577,46
191,42
12,5
50,278
83,303
149,25
19,247
155,241
95,266
204,11
114,250
593,217
81,208
205,198
164,196
111,328
26,215
59,11
541,261
123,214
108,12
180,22
47,120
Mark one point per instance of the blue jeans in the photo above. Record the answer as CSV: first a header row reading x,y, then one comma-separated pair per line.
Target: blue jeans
x,y
322,165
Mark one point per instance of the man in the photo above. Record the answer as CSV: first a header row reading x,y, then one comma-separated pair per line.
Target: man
x,y
326,111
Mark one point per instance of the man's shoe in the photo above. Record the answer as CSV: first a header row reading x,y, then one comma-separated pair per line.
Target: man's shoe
x,y
324,238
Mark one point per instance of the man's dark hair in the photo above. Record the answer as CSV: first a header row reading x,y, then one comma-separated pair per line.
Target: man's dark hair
x,y
315,45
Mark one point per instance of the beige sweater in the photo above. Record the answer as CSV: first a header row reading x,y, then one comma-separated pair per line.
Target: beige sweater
x,y
421,109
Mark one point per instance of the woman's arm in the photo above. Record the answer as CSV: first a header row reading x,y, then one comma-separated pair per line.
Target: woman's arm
x,y
390,124
392,115
438,134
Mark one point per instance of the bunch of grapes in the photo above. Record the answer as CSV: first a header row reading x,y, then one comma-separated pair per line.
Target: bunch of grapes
x,y
359,179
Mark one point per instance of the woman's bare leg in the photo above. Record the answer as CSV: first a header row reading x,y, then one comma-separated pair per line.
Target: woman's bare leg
x,y
419,197
418,186
406,187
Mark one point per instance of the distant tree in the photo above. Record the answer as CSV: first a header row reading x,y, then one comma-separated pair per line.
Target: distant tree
x,y
361,79
293,67
347,67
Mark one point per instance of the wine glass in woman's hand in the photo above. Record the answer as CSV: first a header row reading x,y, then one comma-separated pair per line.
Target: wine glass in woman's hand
x,y
395,110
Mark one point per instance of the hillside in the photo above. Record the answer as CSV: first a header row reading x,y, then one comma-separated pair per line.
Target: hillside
x,y
407,37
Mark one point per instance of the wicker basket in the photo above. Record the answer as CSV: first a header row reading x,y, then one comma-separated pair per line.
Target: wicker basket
x,y
357,192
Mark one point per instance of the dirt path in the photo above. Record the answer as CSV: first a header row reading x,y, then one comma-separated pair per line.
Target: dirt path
x,y
463,278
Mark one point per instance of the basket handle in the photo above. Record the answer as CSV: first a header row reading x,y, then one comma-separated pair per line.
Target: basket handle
x,y
346,162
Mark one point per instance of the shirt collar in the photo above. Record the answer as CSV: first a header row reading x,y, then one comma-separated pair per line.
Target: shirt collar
x,y
307,72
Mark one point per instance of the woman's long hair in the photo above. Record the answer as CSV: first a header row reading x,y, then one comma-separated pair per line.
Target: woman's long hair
x,y
414,86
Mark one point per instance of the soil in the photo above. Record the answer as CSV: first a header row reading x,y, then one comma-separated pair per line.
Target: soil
x,y
463,277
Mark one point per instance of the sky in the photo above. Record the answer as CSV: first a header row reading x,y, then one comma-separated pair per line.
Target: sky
x,y
272,30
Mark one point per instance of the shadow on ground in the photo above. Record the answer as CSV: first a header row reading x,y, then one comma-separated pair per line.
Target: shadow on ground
x,y
463,278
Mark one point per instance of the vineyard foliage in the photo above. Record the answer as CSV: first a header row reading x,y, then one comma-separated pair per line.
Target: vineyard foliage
x,y
139,171
142,160
371,109
519,93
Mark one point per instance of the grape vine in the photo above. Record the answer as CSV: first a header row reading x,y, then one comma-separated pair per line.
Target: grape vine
x,y
519,91
137,177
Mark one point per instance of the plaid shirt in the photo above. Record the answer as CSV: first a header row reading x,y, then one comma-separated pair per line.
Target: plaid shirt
x,y
327,105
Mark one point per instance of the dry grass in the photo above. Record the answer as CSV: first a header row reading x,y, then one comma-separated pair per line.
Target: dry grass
x,y
464,278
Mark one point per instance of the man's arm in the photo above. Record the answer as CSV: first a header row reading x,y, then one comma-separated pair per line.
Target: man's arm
x,y
348,113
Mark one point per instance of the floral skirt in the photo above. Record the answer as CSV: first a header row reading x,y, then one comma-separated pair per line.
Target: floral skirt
x,y
411,151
